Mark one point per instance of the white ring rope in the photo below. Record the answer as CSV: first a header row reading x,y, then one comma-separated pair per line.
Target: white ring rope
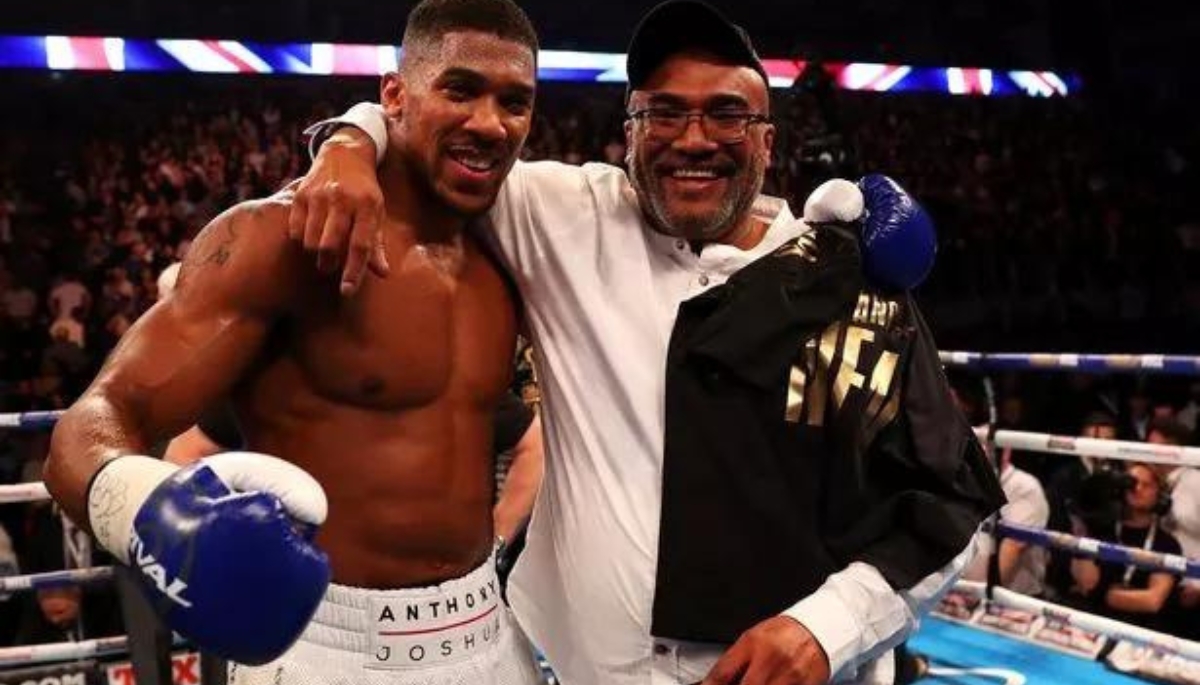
x,y
23,492
1122,450
62,651
77,576
1085,621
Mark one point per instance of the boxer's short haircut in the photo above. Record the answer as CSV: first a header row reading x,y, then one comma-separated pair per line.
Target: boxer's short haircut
x,y
431,20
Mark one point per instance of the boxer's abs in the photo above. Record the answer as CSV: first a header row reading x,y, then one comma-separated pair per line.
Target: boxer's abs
x,y
390,407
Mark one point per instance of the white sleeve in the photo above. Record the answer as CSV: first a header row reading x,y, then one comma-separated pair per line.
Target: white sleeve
x,y
1029,507
856,616
1184,505
366,116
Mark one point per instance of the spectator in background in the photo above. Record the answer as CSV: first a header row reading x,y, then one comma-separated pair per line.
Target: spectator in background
x,y
66,356
1137,415
69,326
9,609
1128,593
117,293
67,613
116,325
1190,411
69,295
57,619
19,301
1065,491
96,250
1022,566
1183,519
1097,425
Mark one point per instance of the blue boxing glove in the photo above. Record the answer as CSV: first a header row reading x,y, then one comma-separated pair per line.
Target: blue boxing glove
x,y
896,234
223,547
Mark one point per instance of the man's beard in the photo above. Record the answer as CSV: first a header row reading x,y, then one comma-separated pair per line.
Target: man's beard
x,y
745,186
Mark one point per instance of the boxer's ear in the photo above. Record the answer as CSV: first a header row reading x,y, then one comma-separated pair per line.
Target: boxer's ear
x,y
391,94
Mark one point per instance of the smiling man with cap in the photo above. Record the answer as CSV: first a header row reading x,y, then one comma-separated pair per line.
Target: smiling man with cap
x,y
755,472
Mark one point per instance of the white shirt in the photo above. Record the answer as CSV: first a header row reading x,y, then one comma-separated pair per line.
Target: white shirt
x,y
1027,506
601,290
1183,522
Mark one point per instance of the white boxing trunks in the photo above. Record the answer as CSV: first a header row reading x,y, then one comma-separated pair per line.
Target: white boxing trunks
x,y
455,633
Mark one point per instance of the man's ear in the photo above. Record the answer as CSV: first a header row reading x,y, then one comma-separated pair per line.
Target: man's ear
x,y
769,141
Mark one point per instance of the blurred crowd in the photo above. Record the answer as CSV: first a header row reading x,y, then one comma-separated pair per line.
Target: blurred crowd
x,y
1061,226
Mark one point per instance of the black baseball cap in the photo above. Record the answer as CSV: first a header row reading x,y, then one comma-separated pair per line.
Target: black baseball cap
x,y
677,25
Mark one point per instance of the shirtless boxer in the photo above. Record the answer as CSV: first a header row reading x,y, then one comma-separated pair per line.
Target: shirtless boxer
x,y
385,399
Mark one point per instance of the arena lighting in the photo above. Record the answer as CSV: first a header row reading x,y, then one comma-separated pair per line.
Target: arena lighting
x,y
91,53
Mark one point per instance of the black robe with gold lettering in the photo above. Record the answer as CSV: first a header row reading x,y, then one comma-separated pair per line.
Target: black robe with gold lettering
x,y
808,426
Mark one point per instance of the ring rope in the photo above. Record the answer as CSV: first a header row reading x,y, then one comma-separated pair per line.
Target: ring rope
x,y
62,651
77,576
34,655
1104,551
1121,450
1085,621
29,419
1176,365
23,492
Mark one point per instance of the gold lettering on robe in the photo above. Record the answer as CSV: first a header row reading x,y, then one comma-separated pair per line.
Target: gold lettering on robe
x,y
814,375
885,417
881,381
874,311
848,375
862,310
818,391
804,247
795,399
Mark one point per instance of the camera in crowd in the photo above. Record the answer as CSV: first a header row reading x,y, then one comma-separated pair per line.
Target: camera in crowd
x,y
1100,501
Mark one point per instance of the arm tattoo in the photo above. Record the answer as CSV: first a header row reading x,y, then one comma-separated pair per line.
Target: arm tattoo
x,y
224,237
213,245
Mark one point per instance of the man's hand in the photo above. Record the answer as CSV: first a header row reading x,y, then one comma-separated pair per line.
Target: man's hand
x,y
778,651
338,208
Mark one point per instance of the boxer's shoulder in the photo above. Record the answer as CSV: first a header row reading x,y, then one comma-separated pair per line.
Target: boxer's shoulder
x,y
245,253
256,224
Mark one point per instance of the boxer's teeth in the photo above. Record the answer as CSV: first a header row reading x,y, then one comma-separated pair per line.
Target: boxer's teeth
x,y
472,159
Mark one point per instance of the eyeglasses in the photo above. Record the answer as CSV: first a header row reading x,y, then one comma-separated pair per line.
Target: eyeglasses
x,y
720,126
